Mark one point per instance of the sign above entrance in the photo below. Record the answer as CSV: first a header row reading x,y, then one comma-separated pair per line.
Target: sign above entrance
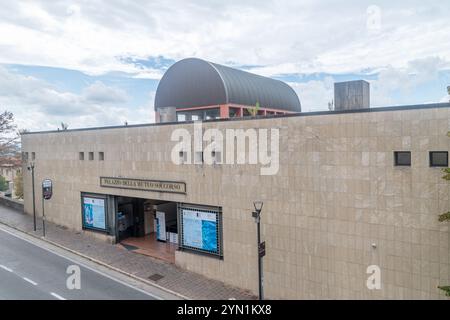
x,y
145,185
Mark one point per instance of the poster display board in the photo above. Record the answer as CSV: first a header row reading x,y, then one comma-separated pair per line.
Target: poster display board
x,y
94,213
200,230
161,226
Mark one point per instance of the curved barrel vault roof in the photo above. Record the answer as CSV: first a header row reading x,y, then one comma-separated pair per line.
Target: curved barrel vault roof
x,y
193,82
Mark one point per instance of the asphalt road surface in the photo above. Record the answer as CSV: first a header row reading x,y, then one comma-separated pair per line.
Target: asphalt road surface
x,y
28,271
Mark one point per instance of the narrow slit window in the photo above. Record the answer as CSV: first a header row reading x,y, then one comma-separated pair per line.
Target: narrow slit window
x,y
81,156
91,156
101,156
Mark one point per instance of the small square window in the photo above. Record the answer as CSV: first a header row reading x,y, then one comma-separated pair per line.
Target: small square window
x,y
217,157
402,158
91,156
101,156
198,157
183,156
438,159
81,155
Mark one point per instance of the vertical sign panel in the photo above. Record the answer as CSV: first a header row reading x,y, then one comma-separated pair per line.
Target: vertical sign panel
x,y
161,226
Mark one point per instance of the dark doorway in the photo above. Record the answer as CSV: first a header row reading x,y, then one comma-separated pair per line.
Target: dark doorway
x,y
130,217
147,227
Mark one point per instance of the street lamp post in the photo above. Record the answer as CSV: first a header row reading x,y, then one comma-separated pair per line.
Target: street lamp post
x,y
261,247
31,168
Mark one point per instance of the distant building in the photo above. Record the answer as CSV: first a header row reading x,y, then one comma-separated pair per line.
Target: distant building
x,y
9,168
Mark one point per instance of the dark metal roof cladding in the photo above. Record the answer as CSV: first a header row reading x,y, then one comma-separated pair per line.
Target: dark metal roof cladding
x,y
194,82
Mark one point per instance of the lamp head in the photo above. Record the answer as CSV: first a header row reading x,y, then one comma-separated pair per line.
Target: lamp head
x,y
258,205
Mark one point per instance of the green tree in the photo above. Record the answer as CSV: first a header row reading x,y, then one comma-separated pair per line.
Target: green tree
x,y
446,216
254,110
18,185
3,184
9,144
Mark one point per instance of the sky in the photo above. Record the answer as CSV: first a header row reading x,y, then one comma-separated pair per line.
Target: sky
x,y
98,62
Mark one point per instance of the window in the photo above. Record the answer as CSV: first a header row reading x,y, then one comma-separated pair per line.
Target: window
x,y
33,156
216,157
200,229
198,157
195,115
81,155
101,156
183,156
181,117
438,159
91,156
402,158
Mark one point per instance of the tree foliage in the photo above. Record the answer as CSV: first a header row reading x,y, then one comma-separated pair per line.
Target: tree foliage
x,y
18,185
254,110
9,138
4,186
446,216
446,289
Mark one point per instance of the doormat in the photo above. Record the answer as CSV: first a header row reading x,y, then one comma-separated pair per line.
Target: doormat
x,y
129,247
155,277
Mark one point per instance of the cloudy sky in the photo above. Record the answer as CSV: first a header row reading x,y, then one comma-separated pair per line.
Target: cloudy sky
x,y
98,62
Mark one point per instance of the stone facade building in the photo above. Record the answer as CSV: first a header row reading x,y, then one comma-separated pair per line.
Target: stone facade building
x,y
354,189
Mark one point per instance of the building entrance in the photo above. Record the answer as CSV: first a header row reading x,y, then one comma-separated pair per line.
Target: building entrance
x,y
147,227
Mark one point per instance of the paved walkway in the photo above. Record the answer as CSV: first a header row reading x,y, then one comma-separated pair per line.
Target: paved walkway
x,y
188,284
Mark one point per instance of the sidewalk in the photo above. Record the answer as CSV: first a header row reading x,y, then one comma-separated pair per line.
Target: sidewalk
x,y
175,279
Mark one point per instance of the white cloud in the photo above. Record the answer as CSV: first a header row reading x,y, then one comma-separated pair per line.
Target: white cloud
x,y
404,80
275,37
39,106
393,86
445,98
100,93
281,36
314,94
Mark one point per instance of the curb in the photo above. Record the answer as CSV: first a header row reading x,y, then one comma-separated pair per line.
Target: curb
x,y
99,262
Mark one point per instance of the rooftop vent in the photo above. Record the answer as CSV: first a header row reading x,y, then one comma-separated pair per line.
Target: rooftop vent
x,y
351,95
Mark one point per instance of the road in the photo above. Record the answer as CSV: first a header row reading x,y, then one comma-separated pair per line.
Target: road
x,y
30,271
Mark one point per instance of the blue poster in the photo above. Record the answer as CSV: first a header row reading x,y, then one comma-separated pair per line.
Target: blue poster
x,y
161,226
200,230
94,215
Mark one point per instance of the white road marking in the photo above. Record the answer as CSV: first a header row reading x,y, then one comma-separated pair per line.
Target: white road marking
x,y
80,263
30,281
6,268
57,296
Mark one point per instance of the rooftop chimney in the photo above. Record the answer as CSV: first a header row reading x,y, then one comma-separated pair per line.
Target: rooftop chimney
x,y
351,95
